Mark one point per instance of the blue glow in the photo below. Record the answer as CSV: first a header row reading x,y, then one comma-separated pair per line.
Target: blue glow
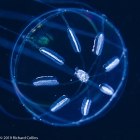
x,y
82,59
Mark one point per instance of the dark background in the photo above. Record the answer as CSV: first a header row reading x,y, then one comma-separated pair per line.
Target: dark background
x,y
121,123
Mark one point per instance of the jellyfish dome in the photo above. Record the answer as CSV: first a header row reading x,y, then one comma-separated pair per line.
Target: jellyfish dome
x,y
69,66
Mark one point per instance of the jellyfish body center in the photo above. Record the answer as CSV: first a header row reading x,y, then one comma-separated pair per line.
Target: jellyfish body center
x,y
81,75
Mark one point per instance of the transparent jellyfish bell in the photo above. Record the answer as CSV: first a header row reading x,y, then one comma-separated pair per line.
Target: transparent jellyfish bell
x,y
69,66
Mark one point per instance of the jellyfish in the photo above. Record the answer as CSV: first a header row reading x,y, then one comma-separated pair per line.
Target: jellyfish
x,y
69,65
